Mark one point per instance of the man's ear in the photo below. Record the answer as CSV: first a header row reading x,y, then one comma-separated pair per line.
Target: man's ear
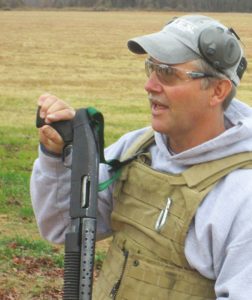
x,y
221,88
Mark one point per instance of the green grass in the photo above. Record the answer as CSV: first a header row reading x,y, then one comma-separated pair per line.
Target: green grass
x,y
17,155
23,248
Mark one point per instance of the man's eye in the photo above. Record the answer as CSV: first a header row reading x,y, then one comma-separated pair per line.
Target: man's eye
x,y
167,71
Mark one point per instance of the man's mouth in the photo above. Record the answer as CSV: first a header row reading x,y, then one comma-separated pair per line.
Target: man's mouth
x,y
157,104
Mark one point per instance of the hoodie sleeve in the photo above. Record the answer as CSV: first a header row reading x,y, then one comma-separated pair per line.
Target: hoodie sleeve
x,y
50,188
219,242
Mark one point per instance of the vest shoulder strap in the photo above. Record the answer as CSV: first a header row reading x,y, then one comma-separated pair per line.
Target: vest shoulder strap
x,y
205,174
143,141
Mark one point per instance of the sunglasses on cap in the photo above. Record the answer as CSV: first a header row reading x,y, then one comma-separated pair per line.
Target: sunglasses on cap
x,y
169,75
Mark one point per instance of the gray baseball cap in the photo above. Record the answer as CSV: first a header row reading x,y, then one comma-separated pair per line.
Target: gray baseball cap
x,y
178,42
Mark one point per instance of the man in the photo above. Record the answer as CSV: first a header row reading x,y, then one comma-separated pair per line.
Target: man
x,y
180,213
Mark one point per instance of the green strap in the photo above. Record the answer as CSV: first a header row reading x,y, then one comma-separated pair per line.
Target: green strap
x,y
97,123
104,185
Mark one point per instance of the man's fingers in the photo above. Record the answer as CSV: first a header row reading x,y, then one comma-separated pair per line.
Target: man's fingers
x,y
43,98
54,109
51,139
45,103
51,134
57,115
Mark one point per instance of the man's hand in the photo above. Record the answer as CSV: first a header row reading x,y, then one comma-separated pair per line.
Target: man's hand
x,y
53,109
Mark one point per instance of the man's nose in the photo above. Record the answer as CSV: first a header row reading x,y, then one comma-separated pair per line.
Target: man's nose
x,y
153,84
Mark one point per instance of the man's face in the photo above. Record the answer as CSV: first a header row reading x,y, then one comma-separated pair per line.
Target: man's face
x,y
181,109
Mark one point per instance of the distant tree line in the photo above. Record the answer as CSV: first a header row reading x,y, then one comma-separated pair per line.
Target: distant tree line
x,y
11,3
183,5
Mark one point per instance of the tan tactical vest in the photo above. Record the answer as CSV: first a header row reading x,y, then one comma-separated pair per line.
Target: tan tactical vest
x,y
150,220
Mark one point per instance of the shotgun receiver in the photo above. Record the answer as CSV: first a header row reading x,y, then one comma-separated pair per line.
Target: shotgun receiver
x,y
82,135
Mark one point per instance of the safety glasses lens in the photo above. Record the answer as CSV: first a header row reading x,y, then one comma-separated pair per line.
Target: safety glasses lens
x,y
165,73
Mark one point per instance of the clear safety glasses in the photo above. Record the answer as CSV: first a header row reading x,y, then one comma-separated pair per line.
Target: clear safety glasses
x,y
169,75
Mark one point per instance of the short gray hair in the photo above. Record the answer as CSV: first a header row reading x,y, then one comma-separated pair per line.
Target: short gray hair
x,y
206,82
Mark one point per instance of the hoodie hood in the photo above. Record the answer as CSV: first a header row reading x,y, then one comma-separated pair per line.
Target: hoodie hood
x,y
236,139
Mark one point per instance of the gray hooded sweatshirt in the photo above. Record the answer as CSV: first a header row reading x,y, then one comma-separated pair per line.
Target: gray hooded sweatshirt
x,y
219,240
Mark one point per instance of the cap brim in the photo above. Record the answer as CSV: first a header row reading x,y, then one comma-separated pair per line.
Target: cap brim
x,y
162,47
